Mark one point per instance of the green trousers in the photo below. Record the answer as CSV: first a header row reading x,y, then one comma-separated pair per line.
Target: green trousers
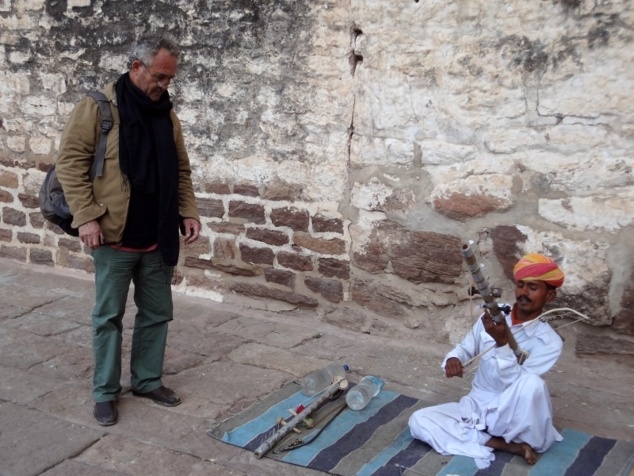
x,y
114,271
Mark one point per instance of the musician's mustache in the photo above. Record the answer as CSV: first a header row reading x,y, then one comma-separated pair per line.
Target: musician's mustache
x,y
523,299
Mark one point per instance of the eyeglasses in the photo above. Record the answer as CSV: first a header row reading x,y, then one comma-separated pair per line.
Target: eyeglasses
x,y
161,80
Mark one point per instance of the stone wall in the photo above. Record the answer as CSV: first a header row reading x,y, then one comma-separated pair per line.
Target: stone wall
x,y
344,150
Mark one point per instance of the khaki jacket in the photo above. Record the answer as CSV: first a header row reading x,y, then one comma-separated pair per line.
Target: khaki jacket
x,y
107,198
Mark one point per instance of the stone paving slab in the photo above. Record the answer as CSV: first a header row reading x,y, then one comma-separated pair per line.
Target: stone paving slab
x,y
227,383
42,325
177,360
295,364
23,350
70,307
20,386
80,336
284,335
205,343
9,310
77,468
137,458
71,401
32,442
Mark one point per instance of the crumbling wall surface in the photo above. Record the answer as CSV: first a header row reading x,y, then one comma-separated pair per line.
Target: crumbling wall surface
x,y
343,151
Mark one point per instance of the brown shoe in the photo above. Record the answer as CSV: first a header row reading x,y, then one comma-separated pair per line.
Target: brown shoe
x,y
162,395
105,413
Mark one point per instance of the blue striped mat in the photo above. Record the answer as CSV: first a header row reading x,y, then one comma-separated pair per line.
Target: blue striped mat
x,y
376,442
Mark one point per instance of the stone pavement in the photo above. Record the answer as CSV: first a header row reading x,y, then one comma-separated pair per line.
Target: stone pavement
x,y
220,359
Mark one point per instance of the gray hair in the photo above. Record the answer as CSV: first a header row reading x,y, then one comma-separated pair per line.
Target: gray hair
x,y
146,48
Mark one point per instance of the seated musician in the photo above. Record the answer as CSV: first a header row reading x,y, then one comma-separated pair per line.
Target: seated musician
x,y
508,408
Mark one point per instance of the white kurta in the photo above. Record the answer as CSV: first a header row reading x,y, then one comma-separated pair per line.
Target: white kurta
x,y
506,400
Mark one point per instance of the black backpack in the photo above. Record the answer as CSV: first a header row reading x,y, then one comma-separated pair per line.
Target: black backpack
x,y
52,201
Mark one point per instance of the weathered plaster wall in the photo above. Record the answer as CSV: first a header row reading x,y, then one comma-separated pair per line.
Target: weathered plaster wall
x,y
343,150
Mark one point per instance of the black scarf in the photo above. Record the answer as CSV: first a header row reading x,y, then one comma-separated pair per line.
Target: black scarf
x,y
148,158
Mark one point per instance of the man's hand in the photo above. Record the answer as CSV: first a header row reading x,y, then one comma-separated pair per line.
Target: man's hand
x,y
192,230
90,234
496,330
453,367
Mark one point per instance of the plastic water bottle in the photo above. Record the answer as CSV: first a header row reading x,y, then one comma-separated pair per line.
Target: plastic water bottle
x,y
360,395
319,380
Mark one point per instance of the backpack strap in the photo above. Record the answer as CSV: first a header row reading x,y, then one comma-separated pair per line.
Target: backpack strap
x,y
96,169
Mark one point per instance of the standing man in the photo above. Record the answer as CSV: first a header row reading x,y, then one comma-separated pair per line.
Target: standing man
x,y
508,408
130,218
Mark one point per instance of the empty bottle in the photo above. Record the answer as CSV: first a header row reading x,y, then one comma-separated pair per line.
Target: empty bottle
x,y
360,395
321,379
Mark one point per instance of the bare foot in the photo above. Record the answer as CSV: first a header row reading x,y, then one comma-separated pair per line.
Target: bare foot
x,y
525,450
521,449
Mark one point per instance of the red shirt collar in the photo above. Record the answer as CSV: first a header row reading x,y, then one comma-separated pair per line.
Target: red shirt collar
x,y
514,320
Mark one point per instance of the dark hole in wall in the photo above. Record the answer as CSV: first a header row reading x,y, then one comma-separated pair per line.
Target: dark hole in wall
x,y
598,36
354,59
56,8
569,3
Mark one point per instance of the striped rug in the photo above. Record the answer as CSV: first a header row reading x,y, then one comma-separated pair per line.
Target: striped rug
x,y
376,442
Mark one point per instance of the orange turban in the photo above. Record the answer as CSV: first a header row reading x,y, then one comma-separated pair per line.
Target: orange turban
x,y
536,267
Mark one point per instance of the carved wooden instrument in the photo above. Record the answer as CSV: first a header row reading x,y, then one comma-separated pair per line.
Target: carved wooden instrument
x,y
482,285
272,440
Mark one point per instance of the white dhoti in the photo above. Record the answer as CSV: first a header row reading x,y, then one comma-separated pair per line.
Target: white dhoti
x,y
522,413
